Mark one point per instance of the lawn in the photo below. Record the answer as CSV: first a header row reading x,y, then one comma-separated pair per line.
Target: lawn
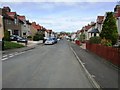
x,y
12,45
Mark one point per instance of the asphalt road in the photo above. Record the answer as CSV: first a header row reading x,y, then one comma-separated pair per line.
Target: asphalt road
x,y
47,66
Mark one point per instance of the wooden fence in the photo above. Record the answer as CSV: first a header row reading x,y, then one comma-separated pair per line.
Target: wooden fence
x,y
109,53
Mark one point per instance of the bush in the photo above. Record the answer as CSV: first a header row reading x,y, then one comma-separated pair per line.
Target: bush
x,y
38,36
95,40
82,37
29,37
106,42
6,36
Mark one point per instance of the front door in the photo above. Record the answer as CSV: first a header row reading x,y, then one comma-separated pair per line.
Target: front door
x,y
16,32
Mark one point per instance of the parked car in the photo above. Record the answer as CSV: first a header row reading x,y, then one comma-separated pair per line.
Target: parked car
x,y
18,39
55,40
49,41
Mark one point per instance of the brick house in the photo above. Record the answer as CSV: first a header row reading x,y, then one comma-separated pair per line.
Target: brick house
x,y
11,22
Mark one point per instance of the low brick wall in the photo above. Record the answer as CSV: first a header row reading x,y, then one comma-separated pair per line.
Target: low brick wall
x,y
109,53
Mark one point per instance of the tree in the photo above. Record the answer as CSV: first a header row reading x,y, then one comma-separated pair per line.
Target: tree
x,y
82,37
38,36
109,30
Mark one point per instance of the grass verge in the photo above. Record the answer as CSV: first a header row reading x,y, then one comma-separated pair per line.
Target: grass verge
x,y
12,45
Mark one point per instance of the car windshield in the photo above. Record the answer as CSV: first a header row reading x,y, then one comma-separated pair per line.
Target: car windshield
x,y
49,39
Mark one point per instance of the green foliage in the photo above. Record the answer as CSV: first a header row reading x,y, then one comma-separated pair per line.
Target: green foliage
x,y
38,36
109,30
95,40
82,37
11,45
29,37
6,36
106,42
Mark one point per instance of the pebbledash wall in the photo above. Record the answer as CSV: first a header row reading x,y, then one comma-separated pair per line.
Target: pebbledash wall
x,y
109,53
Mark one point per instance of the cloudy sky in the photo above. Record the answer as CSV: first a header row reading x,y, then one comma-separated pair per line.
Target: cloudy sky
x,y
61,16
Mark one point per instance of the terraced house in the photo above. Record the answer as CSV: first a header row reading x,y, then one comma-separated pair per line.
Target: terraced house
x,y
25,27
11,21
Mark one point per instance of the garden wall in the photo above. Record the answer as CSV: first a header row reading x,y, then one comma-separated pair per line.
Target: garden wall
x,y
109,53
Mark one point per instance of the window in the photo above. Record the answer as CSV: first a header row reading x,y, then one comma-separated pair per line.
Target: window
x,y
24,33
15,21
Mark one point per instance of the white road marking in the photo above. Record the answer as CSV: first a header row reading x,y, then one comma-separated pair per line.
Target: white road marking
x,y
21,52
5,56
12,56
4,59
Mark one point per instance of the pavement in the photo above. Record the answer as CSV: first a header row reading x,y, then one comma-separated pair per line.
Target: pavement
x,y
46,66
30,45
104,73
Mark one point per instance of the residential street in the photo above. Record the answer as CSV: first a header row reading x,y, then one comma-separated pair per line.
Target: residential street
x,y
47,66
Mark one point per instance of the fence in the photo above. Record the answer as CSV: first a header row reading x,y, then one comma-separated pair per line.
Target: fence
x,y
109,53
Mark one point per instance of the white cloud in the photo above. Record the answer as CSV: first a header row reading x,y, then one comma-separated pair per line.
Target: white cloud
x,y
64,23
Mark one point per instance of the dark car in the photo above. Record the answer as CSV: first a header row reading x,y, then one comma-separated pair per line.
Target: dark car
x,y
18,39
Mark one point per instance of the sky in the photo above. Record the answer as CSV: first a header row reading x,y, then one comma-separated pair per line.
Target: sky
x,y
61,16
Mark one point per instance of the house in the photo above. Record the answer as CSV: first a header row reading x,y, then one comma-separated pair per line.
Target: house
x,y
117,15
73,36
49,33
99,22
11,22
25,27
33,29
1,28
93,31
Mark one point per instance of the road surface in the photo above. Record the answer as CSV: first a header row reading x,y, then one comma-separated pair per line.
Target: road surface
x,y
47,66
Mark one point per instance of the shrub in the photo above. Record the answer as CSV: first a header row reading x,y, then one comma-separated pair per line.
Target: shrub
x,y
38,36
82,37
106,42
29,37
6,36
95,40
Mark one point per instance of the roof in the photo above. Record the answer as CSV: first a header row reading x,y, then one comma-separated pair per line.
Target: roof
x,y
94,31
100,19
11,14
37,26
22,18
117,11
87,27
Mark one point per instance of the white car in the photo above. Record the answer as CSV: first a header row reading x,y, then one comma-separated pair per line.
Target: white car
x,y
49,41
